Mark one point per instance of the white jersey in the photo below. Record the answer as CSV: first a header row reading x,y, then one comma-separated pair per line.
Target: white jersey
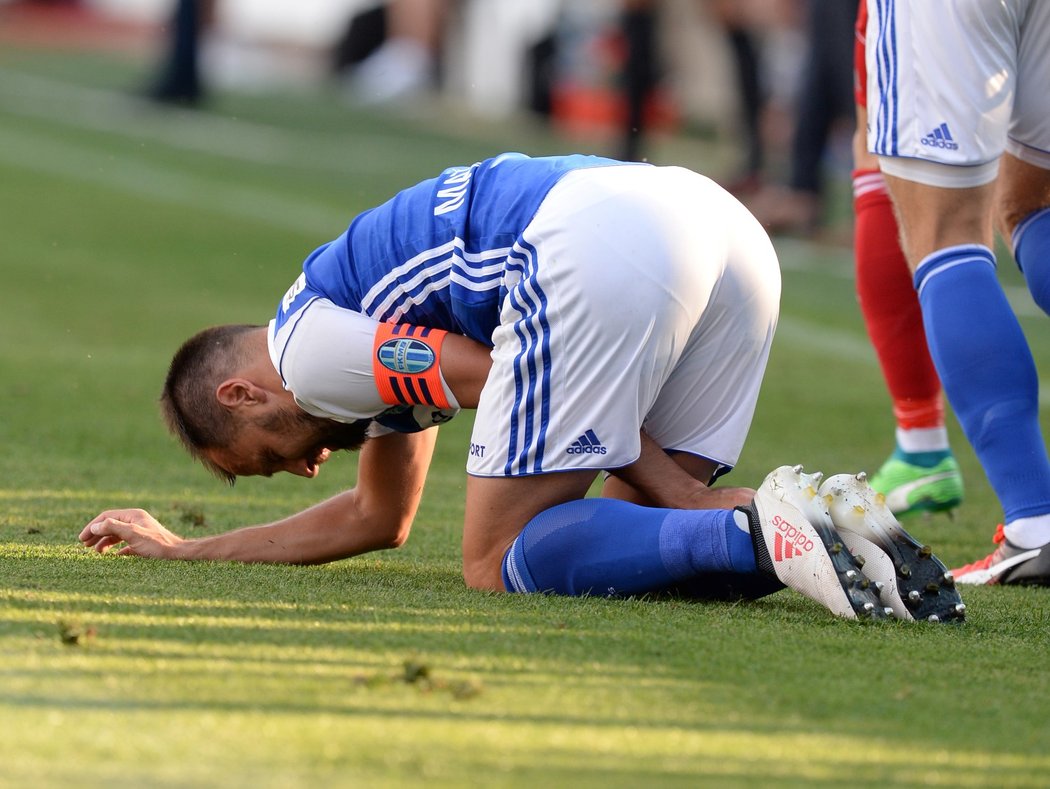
x,y
957,82
634,297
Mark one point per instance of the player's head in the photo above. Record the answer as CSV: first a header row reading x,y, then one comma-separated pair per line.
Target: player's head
x,y
232,441
188,401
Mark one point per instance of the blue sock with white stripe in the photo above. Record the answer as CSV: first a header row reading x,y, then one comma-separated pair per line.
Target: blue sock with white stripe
x,y
609,547
987,372
1031,243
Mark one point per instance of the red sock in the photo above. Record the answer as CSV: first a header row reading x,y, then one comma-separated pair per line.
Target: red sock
x,y
891,308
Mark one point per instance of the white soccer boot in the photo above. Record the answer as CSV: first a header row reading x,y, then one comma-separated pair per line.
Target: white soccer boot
x,y
919,586
806,556
876,564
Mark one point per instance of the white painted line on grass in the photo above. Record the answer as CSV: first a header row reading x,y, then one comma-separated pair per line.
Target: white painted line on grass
x,y
130,116
124,174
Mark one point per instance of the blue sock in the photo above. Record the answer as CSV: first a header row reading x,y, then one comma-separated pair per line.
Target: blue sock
x,y
1031,242
987,372
609,547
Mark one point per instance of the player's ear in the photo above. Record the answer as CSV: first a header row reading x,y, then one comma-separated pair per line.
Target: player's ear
x,y
236,392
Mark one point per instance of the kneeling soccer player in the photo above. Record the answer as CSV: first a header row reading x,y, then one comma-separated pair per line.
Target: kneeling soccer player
x,y
600,316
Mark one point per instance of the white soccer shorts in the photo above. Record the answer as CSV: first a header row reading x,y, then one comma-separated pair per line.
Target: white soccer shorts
x,y
957,82
637,297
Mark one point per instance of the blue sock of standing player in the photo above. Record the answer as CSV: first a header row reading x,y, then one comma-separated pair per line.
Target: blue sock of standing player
x,y
610,547
987,372
1031,242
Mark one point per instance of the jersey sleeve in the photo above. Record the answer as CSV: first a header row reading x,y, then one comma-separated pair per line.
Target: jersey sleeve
x,y
323,354
324,357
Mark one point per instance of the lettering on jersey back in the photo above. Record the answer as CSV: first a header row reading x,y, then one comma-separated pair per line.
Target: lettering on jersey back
x,y
297,287
453,190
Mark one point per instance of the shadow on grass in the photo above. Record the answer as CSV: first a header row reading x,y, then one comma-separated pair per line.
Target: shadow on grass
x,y
776,665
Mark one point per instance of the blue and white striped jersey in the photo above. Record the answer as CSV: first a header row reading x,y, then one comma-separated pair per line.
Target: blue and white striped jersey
x,y
434,255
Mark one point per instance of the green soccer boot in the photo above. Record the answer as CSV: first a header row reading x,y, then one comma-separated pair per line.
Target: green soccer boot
x,y
920,482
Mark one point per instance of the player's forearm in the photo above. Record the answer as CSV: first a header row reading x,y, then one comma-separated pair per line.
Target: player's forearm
x,y
264,544
329,531
375,515
658,479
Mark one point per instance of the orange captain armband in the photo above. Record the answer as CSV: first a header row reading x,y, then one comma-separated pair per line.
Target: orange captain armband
x,y
406,365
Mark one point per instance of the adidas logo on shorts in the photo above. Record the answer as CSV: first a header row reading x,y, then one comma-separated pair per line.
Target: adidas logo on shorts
x,y
940,137
587,444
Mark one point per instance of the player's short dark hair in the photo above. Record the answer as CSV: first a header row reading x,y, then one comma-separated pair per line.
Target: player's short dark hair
x,y
192,412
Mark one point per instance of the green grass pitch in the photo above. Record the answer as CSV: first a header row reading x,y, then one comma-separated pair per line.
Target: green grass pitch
x,y
124,229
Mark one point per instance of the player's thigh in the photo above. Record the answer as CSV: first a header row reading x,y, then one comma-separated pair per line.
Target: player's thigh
x,y
933,217
498,508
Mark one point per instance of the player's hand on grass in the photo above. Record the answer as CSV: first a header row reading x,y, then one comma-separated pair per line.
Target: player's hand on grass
x,y
141,533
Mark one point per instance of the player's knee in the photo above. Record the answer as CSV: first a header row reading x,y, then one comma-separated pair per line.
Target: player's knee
x,y
1031,245
483,574
397,539
1009,216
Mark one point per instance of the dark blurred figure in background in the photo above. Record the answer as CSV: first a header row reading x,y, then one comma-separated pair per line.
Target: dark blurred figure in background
x,y
638,25
825,97
740,24
179,80
747,65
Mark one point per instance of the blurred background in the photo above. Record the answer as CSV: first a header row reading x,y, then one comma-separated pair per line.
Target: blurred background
x,y
755,93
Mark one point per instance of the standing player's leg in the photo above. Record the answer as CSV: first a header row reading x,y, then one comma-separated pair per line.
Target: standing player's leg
x,y
988,374
1023,552
921,474
949,92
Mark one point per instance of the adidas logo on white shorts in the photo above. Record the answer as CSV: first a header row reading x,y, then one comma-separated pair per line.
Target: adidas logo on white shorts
x,y
587,444
940,137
